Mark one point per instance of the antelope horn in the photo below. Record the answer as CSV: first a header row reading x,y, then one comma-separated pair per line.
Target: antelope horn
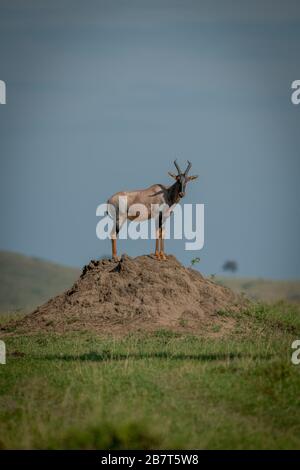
x,y
177,167
188,168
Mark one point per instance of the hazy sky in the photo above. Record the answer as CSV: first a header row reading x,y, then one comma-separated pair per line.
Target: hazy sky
x,y
103,95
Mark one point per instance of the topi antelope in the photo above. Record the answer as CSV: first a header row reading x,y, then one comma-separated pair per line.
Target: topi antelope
x,y
142,202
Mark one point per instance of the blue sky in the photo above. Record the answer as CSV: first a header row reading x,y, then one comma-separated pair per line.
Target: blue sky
x,y
102,96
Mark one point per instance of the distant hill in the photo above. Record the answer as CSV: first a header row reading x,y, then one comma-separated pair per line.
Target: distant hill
x,y
27,282
263,289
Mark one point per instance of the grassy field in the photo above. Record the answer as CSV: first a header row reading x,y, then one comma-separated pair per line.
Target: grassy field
x,y
160,391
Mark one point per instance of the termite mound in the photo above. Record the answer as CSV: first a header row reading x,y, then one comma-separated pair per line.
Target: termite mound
x,y
136,294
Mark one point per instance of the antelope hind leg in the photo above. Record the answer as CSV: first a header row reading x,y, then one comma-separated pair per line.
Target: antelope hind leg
x,y
114,249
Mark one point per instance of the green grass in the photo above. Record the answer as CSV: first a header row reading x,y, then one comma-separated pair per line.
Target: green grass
x,y
164,390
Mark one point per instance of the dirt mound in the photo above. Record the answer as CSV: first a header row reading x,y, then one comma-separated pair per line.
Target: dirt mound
x,y
136,294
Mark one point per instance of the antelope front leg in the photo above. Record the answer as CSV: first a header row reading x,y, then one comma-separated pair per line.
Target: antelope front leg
x,y
157,255
162,245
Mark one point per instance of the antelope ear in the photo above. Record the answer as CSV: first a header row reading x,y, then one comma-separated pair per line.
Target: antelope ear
x,y
191,178
172,175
